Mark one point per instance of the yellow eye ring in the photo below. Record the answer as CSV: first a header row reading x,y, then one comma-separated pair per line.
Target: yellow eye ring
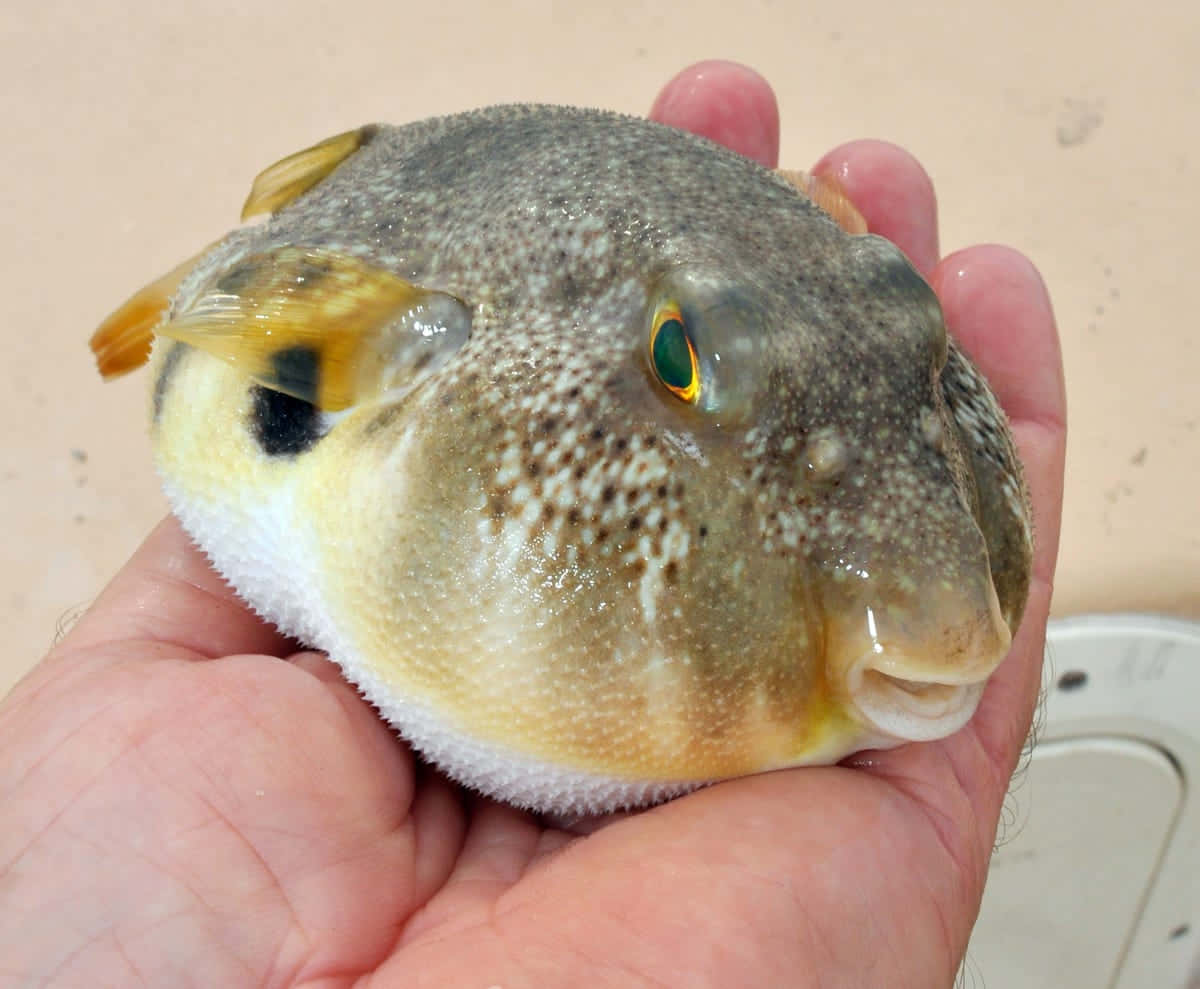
x,y
673,354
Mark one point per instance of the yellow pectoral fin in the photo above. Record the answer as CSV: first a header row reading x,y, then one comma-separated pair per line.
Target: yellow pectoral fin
x,y
122,342
321,326
827,192
277,185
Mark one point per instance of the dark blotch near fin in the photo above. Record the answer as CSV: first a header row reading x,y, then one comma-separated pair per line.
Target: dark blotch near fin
x,y
282,425
165,373
297,371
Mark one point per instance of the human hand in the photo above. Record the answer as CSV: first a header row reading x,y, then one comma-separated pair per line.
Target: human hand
x,y
186,800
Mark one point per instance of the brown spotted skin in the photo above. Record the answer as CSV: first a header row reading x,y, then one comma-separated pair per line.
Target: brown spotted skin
x,y
566,585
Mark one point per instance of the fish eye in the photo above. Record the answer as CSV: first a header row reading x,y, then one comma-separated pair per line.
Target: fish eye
x,y
673,353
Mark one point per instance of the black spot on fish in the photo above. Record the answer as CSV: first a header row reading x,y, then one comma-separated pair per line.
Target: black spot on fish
x,y
282,425
165,373
297,370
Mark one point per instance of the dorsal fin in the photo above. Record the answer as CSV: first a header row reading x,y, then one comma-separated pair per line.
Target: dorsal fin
x,y
278,184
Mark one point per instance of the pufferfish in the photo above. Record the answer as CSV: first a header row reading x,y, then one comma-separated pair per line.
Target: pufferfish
x,y
602,460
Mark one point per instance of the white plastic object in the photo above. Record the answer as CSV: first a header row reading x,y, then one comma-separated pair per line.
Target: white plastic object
x,y
1097,881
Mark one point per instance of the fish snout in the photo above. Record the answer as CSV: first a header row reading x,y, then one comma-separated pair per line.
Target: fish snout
x,y
915,667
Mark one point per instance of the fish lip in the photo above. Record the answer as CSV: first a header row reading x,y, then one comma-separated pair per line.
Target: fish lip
x,y
910,707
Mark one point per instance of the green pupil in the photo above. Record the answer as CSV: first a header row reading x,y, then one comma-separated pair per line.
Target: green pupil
x,y
672,355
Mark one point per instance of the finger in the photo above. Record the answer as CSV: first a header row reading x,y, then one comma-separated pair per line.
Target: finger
x,y
727,103
893,192
440,826
168,593
496,849
499,844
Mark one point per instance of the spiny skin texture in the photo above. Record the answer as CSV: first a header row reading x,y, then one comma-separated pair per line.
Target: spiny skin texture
x,y
567,586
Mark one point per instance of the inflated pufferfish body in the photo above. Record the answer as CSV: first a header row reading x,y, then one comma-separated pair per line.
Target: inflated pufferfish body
x,y
599,458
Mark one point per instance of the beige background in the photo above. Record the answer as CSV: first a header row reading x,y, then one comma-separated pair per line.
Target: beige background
x,y
131,131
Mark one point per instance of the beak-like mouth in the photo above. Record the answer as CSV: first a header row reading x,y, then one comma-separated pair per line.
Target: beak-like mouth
x,y
917,680
910,709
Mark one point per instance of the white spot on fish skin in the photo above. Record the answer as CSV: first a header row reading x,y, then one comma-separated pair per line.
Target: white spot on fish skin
x,y
673,548
537,284
510,466
793,526
644,467
649,587
755,445
521,495
560,489
531,513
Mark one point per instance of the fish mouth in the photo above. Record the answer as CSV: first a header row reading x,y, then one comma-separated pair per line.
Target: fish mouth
x,y
910,708
918,680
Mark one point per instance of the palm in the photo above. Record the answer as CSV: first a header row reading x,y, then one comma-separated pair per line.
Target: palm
x,y
198,810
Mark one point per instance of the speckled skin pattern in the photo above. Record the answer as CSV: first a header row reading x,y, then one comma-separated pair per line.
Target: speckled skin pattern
x,y
568,587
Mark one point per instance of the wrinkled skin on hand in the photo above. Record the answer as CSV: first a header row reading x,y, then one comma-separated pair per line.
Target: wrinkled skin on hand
x,y
186,801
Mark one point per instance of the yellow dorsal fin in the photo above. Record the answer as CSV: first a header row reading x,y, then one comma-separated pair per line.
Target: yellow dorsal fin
x,y
122,342
827,192
277,185
322,326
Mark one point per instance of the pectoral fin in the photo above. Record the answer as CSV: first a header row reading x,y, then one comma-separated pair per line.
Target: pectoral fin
x,y
323,327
